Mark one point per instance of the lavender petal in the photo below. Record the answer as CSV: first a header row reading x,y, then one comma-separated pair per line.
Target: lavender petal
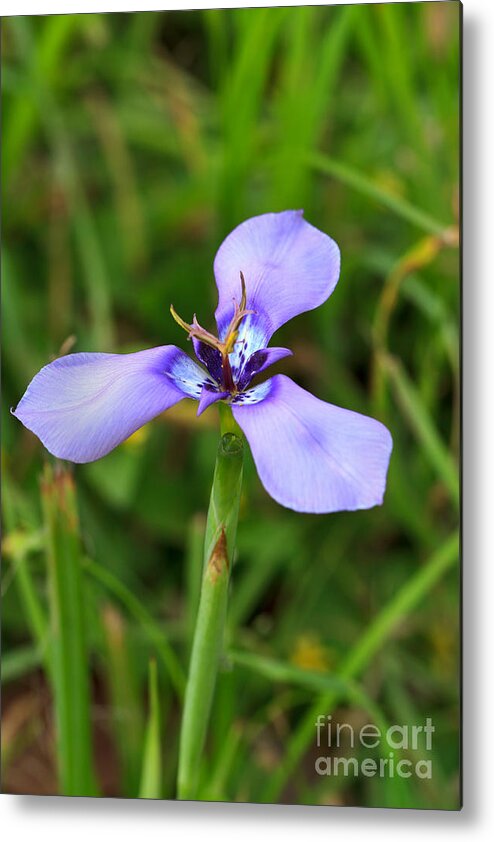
x,y
312,456
289,267
83,405
210,357
209,396
259,361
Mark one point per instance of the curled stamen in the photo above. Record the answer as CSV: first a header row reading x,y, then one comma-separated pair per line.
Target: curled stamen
x,y
243,300
239,314
226,346
179,319
195,330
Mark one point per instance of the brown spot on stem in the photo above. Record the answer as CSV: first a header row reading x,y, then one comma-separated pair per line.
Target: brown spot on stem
x,y
218,560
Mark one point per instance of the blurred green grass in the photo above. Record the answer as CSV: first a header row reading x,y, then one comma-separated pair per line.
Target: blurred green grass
x,y
131,145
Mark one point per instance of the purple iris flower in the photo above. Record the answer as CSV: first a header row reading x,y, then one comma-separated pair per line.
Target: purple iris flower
x,y
311,456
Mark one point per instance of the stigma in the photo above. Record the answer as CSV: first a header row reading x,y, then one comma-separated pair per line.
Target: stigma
x,y
223,346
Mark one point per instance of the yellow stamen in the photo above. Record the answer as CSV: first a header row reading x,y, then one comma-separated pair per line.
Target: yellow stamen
x,y
179,320
243,300
229,342
226,346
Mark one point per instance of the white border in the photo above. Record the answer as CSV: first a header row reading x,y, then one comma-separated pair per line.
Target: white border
x,y
54,819
45,7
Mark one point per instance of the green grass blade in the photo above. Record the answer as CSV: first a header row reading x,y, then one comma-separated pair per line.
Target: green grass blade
x,y
149,626
20,661
125,703
318,682
352,178
305,67
69,652
409,596
399,73
151,783
66,170
216,26
20,127
421,423
17,546
241,100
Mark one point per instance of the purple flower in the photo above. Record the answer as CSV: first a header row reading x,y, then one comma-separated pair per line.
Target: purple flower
x,y
311,456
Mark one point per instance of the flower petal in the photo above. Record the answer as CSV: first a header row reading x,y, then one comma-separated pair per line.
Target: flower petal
x,y
83,405
259,361
210,357
312,456
187,375
251,338
209,395
289,267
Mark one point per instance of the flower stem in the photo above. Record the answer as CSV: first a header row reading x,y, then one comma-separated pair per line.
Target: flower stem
x,y
209,631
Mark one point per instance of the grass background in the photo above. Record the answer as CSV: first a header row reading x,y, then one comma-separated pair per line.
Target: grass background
x,y
132,144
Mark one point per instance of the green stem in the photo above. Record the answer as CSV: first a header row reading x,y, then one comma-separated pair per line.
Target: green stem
x,y
69,651
209,631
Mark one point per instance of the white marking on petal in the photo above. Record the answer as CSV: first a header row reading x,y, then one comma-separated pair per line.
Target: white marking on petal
x,y
254,395
189,377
